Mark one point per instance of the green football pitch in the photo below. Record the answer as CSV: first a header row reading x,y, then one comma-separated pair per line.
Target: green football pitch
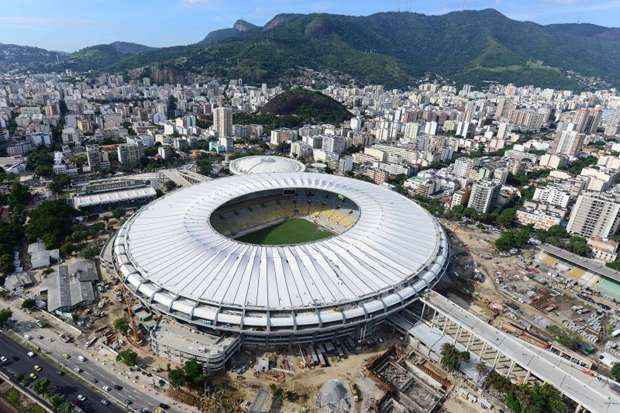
x,y
292,231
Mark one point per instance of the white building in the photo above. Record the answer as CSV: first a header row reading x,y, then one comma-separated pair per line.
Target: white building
x,y
595,215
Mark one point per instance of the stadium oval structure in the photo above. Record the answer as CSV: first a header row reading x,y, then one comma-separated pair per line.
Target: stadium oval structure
x,y
261,164
171,257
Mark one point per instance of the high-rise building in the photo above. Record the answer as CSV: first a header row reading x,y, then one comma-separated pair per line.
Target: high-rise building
x,y
129,155
482,196
97,160
552,196
334,144
569,142
463,167
222,121
595,215
587,120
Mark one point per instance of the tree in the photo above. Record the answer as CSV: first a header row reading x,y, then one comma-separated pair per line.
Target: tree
x,y
129,357
451,357
177,378
51,222
194,373
29,304
19,195
615,372
205,166
118,212
89,252
7,265
59,183
170,186
121,325
41,385
56,400
506,217
5,316
578,245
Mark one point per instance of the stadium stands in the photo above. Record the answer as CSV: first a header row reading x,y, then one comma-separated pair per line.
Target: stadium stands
x,y
327,210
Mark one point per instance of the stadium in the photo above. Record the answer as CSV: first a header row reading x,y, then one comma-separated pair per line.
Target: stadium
x,y
261,164
281,258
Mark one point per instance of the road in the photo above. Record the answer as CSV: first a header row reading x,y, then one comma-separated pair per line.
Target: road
x,y
138,391
66,384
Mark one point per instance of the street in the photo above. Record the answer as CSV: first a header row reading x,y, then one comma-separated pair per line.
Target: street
x,y
135,390
66,384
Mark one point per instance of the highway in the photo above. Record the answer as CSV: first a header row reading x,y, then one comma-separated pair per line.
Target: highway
x,y
66,384
593,392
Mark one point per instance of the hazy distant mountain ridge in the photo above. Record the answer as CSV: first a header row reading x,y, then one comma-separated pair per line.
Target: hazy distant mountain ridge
x,y
25,57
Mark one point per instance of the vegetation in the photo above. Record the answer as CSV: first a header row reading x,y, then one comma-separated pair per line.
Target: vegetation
x,y
40,161
59,183
205,166
292,231
307,106
5,316
555,235
52,222
525,398
121,325
566,338
477,46
191,374
614,265
451,357
577,166
29,304
615,372
129,357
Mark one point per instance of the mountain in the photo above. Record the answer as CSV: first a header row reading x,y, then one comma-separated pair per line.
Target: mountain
x,y
104,55
308,106
392,48
25,57
389,48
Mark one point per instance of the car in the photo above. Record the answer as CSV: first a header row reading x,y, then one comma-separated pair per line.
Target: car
x,y
105,402
106,388
81,358
164,406
66,356
81,397
60,372
3,359
118,387
144,410
129,402
37,367
27,337
30,354
33,376
77,370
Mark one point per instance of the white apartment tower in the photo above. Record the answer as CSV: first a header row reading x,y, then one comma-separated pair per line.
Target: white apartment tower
x,y
569,143
595,215
222,121
482,196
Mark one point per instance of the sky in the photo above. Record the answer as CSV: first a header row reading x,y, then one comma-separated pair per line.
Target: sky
x,y
69,25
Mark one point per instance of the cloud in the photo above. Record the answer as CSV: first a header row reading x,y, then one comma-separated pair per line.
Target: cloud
x,y
32,22
192,3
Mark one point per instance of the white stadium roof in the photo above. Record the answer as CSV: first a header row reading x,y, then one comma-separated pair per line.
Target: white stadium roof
x,y
265,164
169,254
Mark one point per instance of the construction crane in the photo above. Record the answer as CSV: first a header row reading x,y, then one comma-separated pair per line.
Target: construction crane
x,y
134,328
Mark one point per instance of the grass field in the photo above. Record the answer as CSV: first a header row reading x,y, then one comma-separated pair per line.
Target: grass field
x,y
292,231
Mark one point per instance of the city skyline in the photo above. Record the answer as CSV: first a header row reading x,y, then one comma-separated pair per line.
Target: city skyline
x,y
71,27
